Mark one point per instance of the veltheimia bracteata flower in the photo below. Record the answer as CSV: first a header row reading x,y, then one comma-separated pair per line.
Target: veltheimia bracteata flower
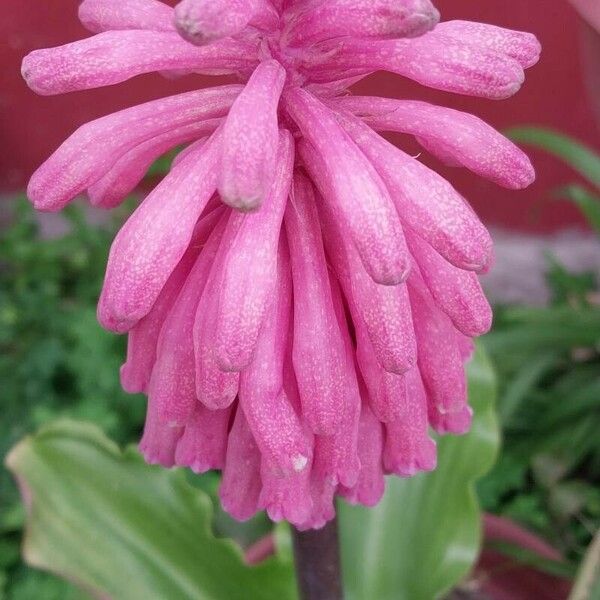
x,y
299,294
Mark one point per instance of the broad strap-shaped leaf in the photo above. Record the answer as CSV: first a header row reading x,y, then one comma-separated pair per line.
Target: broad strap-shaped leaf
x,y
425,535
123,530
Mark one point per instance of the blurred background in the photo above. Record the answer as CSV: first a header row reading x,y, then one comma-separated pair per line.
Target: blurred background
x,y
541,500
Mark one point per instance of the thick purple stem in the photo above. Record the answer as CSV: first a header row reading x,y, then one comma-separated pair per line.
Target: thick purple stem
x,y
317,558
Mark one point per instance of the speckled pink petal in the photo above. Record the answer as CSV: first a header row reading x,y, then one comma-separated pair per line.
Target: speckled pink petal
x,y
448,134
370,486
250,139
386,391
336,456
275,425
426,202
408,448
215,388
159,441
384,311
115,56
322,495
361,18
434,60
250,269
524,47
241,483
286,498
128,172
458,293
289,497
318,346
440,361
94,148
352,188
204,21
154,239
466,346
455,423
173,382
203,445
106,15
143,338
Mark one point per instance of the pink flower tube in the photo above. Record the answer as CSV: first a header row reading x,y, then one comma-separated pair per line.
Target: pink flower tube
x,y
300,295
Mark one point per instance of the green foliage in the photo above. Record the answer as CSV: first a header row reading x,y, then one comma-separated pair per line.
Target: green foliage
x,y
152,534
547,476
54,358
548,362
424,537
123,529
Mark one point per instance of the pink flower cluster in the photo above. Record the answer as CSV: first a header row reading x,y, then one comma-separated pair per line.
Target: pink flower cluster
x,y
299,294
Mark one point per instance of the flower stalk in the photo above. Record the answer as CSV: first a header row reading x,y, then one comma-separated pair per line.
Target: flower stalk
x,y
317,560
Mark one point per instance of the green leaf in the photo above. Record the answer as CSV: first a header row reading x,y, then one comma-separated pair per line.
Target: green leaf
x,y
425,535
581,158
585,201
122,529
523,382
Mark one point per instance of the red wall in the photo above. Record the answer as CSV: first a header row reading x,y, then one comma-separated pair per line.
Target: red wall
x,y
31,126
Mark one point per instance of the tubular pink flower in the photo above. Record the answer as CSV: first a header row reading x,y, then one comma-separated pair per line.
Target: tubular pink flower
x,y
173,383
450,135
159,441
352,187
408,448
250,270
126,174
143,338
300,296
215,388
204,21
370,486
440,361
361,18
203,444
250,138
428,203
274,423
386,391
318,349
114,15
382,311
524,47
115,56
288,497
154,239
94,148
434,59
241,484
456,292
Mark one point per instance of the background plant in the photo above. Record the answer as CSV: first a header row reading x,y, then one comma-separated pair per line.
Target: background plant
x,y
548,363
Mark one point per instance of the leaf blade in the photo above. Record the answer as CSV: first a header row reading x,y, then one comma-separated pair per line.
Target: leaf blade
x,y
431,523
150,530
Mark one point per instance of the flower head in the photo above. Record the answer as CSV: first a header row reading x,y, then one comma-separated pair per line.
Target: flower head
x,y
299,294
